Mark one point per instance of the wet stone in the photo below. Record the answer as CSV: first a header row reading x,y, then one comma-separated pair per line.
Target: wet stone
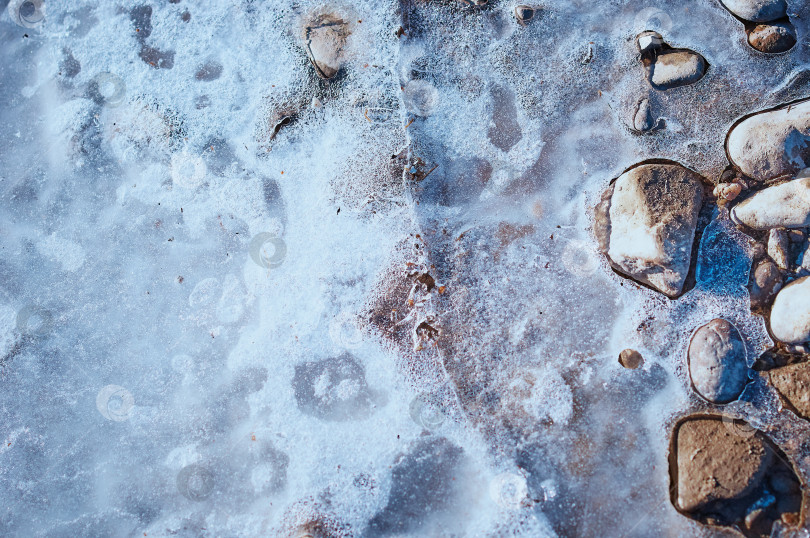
x,y
773,38
782,206
631,359
790,315
646,224
726,473
757,10
717,364
792,382
772,144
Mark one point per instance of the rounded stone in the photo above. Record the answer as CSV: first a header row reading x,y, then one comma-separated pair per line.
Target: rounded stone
x,y
790,315
757,10
631,359
773,38
772,144
717,363
676,68
766,282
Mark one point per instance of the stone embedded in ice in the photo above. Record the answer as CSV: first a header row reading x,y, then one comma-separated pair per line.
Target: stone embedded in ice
x,y
717,364
792,382
773,38
790,315
782,206
715,464
646,224
675,68
757,10
325,40
772,144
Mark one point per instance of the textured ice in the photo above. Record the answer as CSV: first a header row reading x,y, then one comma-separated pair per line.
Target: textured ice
x,y
214,319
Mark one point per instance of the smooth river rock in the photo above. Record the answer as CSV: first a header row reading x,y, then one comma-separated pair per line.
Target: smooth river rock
x,y
772,144
766,282
646,223
790,315
757,10
792,382
773,38
717,362
781,206
716,464
675,68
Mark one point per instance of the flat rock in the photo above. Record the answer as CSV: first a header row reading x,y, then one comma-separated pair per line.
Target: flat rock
x,y
790,315
757,10
646,222
773,38
717,362
772,144
675,68
781,206
325,39
793,384
716,464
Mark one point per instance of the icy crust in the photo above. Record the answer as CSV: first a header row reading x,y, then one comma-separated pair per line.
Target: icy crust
x,y
165,374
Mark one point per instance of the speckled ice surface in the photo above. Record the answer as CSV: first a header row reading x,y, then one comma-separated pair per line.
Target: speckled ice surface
x,y
206,330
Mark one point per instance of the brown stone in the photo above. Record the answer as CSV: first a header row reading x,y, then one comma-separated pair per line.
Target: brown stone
x,y
631,359
792,382
716,464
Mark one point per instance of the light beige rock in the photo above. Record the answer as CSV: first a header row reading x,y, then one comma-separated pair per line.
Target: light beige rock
x,y
646,224
781,206
778,245
757,10
790,315
325,40
675,68
772,144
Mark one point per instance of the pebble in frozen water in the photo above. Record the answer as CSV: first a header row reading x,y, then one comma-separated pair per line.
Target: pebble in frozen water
x,y
715,464
642,120
676,68
790,315
726,473
793,384
772,144
666,67
766,282
773,38
786,206
325,40
778,247
646,224
717,362
757,10
631,359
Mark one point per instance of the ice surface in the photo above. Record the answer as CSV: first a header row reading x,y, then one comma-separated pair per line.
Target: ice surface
x,y
214,319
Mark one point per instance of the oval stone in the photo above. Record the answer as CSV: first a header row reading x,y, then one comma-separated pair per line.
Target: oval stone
x,y
773,38
790,315
782,206
772,144
717,362
757,10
